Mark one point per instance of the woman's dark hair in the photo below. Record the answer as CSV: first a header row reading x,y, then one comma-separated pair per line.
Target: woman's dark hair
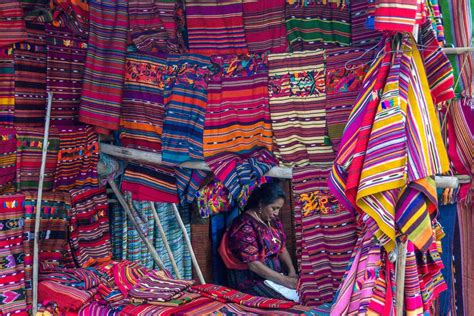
x,y
265,194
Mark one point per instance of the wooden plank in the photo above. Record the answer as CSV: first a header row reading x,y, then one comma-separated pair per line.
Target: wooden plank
x,y
457,50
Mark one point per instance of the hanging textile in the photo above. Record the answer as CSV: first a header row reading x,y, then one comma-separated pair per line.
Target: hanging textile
x,y
152,25
311,24
237,114
7,160
185,108
150,183
29,155
392,186
401,16
7,86
345,71
66,56
188,183
105,64
215,27
89,227
136,248
362,29
297,94
12,25
30,77
326,234
143,109
54,248
36,10
12,273
264,23
78,156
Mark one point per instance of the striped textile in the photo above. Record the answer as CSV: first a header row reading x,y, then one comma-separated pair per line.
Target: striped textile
x,y
216,27
118,228
199,306
152,25
105,63
438,68
97,309
297,93
36,10
143,109
66,297
436,19
12,273
185,106
70,14
399,16
28,158
264,24
325,239
156,286
237,113
313,25
458,25
54,248
136,248
362,23
12,25
345,71
66,56
30,77
78,156
7,86
240,173
150,183
188,183
89,227
7,160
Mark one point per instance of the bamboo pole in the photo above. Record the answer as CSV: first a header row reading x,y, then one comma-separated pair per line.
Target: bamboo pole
x,y
400,276
38,203
165,240
188,243
125,206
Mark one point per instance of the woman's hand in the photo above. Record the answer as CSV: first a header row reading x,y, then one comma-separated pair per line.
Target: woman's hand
x,y
293,274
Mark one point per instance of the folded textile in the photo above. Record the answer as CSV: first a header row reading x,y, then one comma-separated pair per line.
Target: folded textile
x,y
66,297
288,293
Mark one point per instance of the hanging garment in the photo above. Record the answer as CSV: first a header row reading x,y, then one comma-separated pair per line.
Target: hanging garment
x,y
78,156
345,71
185,108
105,65
237,113
143,109
66,51
12,25
363,32
89,227
29,155
325,236
36,10
7,86
264,24
215,27
401,16
311,24
54,247
7,160
30,77
150,183
297,93
12,273
188,183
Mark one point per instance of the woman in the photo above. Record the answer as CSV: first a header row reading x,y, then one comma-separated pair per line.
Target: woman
x,y
253,248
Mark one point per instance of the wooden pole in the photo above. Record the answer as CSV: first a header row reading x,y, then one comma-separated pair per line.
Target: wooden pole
x,y
38,204
400,276
124,204
188,243
165,240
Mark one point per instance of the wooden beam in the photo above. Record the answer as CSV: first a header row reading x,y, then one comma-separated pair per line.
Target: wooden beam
x,y
156,158
457,50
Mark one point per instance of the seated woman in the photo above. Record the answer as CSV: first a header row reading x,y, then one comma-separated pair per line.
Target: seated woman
x,y
253,247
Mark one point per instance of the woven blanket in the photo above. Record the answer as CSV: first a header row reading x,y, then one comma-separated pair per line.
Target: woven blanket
x,y
215,27
104,69
7,159
12,273
12,25
7,86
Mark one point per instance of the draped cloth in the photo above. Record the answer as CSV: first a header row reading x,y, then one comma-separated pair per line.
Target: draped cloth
x,y
7,86
12,25
7,159
104,68
392,187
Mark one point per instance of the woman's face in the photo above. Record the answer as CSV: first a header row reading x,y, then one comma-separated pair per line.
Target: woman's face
x,y
270,211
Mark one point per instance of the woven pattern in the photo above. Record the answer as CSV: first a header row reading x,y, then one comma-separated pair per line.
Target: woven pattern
x,y
12,25
7,159
7,86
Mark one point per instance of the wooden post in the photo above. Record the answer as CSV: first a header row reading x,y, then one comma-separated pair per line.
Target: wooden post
x,y
188,243
38,204
124,204
165,240
400,276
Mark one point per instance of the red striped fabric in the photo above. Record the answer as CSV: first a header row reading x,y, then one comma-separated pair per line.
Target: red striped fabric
x,y
12,25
